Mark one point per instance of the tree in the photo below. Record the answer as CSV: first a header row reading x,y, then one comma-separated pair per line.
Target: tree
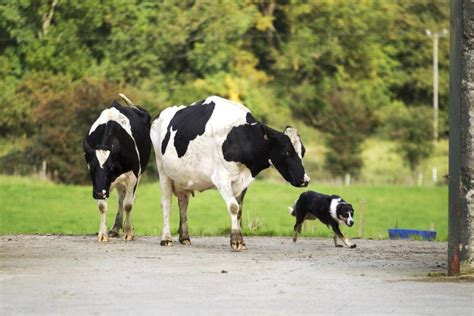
x,y
412,129
60,118
318,60
347,122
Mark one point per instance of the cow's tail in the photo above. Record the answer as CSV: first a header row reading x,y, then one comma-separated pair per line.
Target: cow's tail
x,y
127,100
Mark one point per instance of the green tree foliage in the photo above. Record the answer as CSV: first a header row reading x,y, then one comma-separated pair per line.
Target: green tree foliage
x,y
347,121
324,62
412,128
60,120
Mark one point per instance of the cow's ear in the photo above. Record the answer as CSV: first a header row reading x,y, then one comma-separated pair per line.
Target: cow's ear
x,y
264,131
87,148
303,149
115,148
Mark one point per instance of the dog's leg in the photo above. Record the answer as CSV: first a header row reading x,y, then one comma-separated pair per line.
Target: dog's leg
x,y
297,230
338,233
335,241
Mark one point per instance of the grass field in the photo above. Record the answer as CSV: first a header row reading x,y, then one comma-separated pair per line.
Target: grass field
x,y
33,206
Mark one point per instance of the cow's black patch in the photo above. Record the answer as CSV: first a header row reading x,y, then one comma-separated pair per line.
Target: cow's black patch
x,y
123,157
254,145
140,122
246,144
188,123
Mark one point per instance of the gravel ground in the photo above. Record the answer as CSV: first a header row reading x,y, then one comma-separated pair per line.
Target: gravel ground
x,y
77,275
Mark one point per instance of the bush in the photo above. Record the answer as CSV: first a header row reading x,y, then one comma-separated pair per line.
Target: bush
x,y
62,113
413,130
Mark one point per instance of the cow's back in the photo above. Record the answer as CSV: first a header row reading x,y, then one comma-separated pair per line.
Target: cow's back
x,y
188,140
140,122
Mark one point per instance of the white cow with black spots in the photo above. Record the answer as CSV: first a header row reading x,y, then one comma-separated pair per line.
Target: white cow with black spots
x,y
217,144
117,149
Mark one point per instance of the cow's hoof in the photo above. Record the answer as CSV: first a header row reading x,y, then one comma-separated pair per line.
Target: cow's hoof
x,y
114,234
238,245
339,246
167,243
236,241
129,237
353,246
103,237
185,241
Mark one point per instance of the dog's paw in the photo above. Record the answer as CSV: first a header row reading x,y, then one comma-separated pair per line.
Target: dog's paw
x,y
353,246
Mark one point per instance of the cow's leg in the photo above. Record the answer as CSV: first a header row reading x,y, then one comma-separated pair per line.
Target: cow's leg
x,y
240,200
102,236
183,200
225,189
115,231
166,195
127,205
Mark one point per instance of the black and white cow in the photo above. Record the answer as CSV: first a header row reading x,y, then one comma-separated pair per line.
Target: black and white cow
x,y
117,149
217,144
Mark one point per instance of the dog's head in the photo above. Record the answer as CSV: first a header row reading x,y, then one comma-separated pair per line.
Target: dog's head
x,y
345,213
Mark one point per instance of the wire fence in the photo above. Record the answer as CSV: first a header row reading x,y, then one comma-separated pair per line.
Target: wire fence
x,y
325,176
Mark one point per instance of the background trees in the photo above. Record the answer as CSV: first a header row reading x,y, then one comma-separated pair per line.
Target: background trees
x,y
333,65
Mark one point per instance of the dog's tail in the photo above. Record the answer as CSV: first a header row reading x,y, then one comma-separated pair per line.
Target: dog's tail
x,y
291,211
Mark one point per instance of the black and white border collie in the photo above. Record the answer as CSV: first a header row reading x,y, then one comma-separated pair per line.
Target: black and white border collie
x,y
331,210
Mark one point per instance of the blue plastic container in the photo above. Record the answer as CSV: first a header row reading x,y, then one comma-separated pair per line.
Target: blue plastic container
x,y
397,233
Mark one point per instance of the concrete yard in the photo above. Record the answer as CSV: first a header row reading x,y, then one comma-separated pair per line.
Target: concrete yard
x,y
78,275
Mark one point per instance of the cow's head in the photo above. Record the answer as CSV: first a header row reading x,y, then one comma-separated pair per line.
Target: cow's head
x,y
104,167
286,155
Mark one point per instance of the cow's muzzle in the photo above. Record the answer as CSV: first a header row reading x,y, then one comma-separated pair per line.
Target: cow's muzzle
x,y
305,181
100,195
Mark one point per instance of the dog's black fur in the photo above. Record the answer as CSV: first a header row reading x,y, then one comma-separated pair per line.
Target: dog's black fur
x,y
311,205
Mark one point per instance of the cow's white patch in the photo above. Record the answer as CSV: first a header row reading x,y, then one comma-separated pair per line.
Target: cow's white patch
x,y
194,170
221,101
127,179
306,178
292,134
102,156
113,114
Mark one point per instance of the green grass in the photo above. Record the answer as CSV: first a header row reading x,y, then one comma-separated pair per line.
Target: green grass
x,y
33,206
391,166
